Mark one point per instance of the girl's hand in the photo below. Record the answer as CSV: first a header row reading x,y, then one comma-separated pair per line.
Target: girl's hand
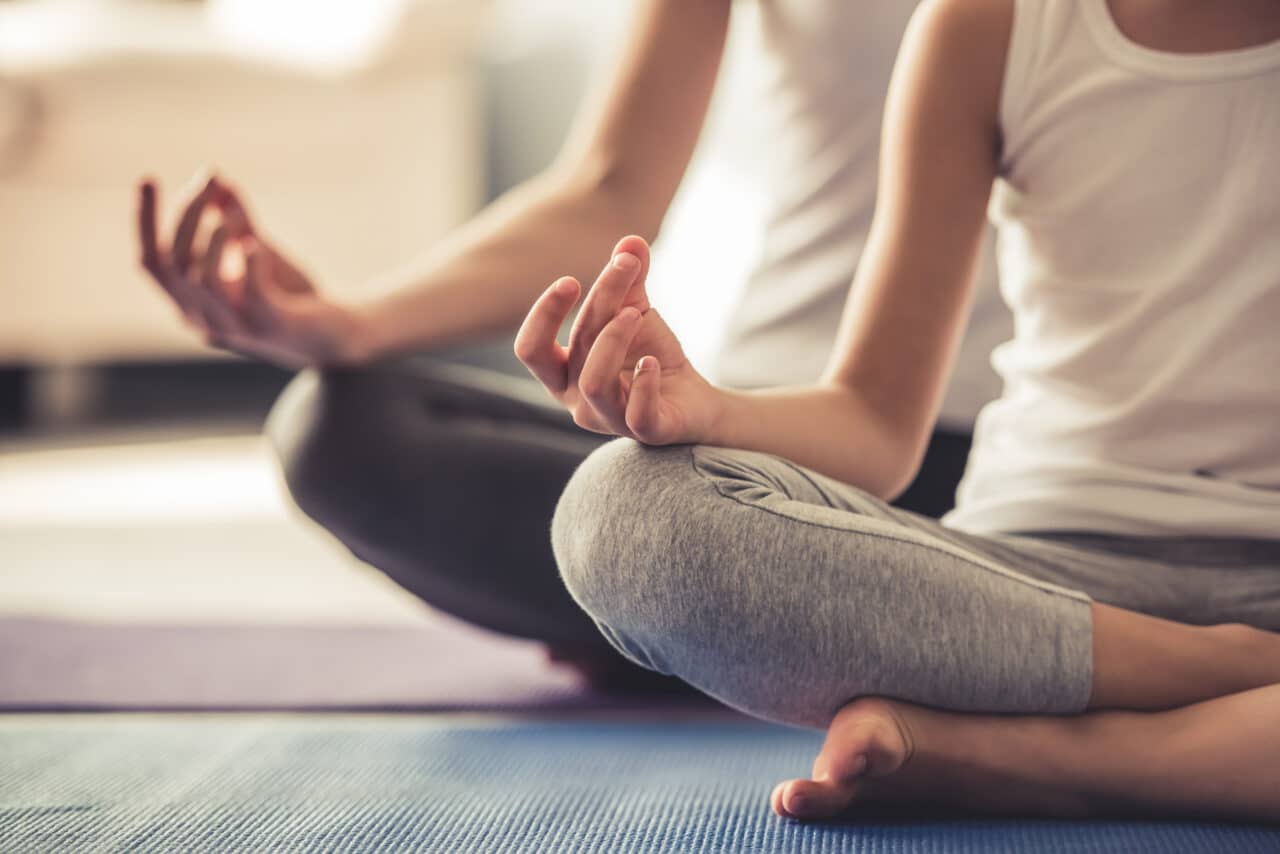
x,y
623,372
265,307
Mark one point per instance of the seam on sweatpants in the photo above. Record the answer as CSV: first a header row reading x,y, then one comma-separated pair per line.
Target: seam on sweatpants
x,y
905,537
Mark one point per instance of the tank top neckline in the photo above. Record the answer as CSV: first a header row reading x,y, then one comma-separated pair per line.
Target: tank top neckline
x,y
1189,67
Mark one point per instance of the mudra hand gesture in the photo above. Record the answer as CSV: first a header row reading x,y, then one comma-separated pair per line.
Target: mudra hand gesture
x,y
624,371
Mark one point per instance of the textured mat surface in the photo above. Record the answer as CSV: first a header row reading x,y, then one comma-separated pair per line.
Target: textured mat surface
x,y
324,783
57,664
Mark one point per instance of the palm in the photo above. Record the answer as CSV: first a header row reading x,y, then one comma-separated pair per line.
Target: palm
x,y
272,311
284,275
293,323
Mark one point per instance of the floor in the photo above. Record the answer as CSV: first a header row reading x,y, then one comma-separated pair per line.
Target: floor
x,y
172,524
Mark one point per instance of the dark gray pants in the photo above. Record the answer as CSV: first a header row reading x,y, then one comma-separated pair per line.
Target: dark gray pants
x,y
445,476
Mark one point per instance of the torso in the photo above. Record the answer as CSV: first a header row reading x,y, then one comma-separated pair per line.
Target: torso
x,y
829,65
1139,219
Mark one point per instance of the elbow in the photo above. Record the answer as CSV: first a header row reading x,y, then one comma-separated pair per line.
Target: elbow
x,y
904,462
894,471
892,448
897,481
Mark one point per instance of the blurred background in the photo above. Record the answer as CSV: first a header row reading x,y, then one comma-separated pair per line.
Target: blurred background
x,y
134,485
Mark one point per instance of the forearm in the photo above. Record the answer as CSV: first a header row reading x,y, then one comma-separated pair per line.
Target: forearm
x,y
869,420
826,428
482,279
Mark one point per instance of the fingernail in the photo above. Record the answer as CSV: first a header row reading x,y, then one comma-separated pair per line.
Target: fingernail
x,y
564,286
630,314
625,261
797,804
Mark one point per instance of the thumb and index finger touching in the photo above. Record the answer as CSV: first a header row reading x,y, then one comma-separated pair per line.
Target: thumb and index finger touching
x,y
214,192
621,282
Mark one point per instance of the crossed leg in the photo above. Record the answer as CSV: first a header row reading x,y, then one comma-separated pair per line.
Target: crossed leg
x,y
1000,674
1215,757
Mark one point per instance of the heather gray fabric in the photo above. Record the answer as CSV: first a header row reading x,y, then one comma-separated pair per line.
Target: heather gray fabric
x,y
786,594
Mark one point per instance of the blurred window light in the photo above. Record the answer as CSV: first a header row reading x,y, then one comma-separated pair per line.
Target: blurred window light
x,y
332,36
322,36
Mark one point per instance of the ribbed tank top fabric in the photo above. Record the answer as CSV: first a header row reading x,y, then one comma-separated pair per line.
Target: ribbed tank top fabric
x,y
1138,220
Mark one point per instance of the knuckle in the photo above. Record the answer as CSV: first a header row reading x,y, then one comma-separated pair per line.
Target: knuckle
x,y
591,387
525,350
610,335
640,426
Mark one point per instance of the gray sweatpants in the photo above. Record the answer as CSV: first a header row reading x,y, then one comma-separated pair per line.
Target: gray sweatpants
x,y
786,594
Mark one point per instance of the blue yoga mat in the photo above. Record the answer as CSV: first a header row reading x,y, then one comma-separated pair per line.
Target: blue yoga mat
x,y
382,783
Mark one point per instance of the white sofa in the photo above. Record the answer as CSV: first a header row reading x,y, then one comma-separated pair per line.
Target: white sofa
x,y
354,161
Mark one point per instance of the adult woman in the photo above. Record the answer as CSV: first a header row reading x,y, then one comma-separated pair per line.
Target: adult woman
x,y
1117,541
415,467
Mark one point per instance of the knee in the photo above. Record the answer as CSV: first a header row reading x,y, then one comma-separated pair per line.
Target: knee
x,y
597,522
684,574
323,431
621,537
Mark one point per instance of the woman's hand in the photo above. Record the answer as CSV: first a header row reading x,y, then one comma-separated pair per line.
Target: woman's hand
x,y
623,372
264,306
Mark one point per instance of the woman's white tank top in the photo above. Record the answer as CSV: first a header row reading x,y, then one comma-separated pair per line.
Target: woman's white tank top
x,y
1138,216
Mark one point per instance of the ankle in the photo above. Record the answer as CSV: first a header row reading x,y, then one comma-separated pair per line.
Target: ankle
x,y
1028,765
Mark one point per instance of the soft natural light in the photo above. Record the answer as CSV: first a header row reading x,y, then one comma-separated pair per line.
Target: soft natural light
x,y
320,36
222,479
325,36
710,243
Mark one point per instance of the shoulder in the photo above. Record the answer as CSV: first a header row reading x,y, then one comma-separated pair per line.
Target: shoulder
x,y
988,22
963,43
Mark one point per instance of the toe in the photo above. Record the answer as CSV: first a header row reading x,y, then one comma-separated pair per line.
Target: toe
x,y
775,800
814,799
865,742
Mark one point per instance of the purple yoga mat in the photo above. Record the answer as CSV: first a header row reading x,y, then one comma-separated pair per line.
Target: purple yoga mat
x,y
54,664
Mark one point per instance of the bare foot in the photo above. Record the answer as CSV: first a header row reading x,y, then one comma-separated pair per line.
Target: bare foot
x,y
886,753
869,740
1216,759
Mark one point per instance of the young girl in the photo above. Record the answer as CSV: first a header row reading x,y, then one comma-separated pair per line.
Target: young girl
x,y
1093,628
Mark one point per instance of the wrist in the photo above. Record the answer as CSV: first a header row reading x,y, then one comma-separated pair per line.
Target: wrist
x,y
362,339
723,414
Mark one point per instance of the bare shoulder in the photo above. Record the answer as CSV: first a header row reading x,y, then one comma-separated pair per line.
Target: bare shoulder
x,y
979,23
964,42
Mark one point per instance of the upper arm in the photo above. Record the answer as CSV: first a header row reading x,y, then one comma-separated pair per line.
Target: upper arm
x,y
637,132
939,154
